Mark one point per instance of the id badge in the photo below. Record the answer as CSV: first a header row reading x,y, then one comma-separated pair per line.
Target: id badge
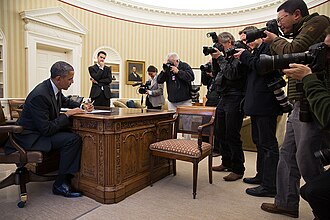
x,y
173,77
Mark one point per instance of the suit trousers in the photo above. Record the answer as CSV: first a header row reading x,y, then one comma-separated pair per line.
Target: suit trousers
x,y
264,137
230,119
101,100
69,145
317,194
297,159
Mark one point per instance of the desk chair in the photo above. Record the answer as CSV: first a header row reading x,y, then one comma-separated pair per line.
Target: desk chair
x,y
15,104
21,157
200,122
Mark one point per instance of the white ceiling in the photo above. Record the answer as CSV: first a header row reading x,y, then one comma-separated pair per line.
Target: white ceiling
x,y
233,12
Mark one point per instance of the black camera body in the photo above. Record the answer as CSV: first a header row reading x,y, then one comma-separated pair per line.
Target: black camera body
x,y
207,67
237,44
324,156
271,26
316,56
167,67
210,50
143,87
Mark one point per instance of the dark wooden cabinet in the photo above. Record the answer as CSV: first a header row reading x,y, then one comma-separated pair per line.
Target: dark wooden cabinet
x,y
115,153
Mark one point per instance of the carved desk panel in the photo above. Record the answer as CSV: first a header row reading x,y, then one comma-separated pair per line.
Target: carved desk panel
x,y
115,153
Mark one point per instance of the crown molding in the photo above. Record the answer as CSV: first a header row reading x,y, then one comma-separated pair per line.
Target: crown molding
x,y
128,10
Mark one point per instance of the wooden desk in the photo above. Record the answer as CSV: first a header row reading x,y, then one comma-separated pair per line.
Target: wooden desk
x,y
115,153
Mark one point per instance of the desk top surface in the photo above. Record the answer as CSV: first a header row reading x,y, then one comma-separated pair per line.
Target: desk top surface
x,y
120,113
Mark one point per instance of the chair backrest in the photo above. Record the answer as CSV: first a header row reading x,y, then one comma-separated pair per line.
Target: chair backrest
x,y
190,117
15,104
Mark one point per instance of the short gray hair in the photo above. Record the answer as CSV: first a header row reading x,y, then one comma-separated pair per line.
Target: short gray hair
x,y
174,55
60,68
225,37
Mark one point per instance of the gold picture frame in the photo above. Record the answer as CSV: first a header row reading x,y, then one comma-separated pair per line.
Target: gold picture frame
x,y
135,71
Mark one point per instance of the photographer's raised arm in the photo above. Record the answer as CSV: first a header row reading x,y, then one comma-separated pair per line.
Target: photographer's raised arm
x,y
308,35
162,76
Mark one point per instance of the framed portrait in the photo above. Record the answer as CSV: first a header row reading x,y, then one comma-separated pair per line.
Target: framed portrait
x,y
135,71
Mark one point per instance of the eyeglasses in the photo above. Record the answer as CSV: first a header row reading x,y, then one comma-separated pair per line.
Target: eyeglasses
x,y
279,20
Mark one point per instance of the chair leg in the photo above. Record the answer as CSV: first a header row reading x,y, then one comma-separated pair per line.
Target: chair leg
x,y
22,174
210,169
195,173
174,167
152,159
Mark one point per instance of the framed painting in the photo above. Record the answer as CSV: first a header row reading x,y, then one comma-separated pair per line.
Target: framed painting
x,y
135,72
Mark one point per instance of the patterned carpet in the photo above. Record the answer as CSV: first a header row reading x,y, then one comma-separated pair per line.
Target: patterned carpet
x,y
170,198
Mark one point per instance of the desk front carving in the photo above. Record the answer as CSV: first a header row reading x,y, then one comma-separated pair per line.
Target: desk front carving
x,y
115,153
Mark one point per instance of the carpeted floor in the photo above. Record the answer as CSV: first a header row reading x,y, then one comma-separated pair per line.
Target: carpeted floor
x,y
169,198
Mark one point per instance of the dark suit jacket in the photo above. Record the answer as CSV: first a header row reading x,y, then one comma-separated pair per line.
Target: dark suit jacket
x,y
259,99
41,118
103,77
132,77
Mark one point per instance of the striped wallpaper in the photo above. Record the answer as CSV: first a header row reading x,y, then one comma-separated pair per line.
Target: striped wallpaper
x,y
132,41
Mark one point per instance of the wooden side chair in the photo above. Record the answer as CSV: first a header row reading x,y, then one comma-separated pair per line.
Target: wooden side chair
x,y
194,120
21,157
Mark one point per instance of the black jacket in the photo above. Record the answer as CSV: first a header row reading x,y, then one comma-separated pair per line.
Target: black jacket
x,y
103,77
178,85
212,95
231,76
259,99
41,118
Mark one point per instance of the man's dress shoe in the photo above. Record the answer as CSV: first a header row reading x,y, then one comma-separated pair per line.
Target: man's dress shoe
x,y
233,177
252,180
221,168
272,208
65,190
260,192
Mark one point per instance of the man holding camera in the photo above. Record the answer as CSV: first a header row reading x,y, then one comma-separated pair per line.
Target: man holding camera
x,y
178,76
317,191
230,81
262,107
302,139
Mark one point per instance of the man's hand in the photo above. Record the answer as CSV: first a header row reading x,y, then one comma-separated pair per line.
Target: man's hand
x,y
174,69
216,54
270,37
93,80
101,64
238,54
74,111
297,71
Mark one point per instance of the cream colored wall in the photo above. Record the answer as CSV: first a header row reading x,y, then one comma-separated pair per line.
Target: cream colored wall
x,y
133,41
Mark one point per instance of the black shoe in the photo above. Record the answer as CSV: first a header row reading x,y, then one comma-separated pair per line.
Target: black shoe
x,y
65,190
260,191
215,154
252,180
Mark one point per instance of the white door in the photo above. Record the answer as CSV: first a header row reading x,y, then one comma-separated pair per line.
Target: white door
x,y
45,59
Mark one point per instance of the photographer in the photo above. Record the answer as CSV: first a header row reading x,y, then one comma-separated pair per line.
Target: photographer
x,y
208,79
317,191
302,139
230,82
262,107
178,76
155,97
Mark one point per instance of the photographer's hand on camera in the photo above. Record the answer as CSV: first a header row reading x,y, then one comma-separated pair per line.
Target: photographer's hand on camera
x,y
297,71
270,37
239,53
216,54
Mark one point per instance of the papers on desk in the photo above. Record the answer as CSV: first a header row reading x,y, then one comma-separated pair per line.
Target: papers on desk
x,y
95,111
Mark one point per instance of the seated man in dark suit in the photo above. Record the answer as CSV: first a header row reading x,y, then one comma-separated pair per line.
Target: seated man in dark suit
x,y
44,126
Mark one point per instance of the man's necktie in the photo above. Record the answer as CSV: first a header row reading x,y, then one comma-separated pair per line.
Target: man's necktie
x,y
58,99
